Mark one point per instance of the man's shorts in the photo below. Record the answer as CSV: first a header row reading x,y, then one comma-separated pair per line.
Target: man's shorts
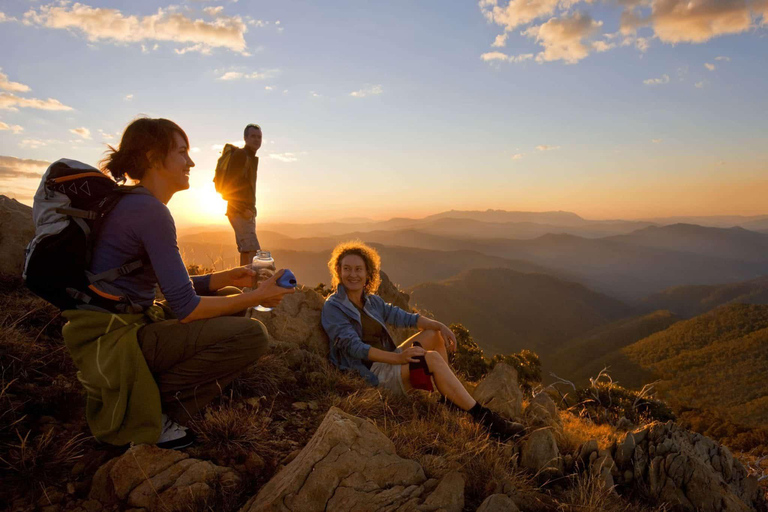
x,y
245,231
389,376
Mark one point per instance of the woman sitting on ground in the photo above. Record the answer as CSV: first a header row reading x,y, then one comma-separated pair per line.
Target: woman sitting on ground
x,y
198,348
355,320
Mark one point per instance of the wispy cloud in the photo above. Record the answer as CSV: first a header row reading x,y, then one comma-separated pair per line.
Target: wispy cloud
x,y
373,90
265,74
128,97
284,157
657,141
10,101
501,40
13,168
544,147
518,156
565,38
503,57
82,132
709,66
701,85
33,143
657,81
11,127
7,85
167,24
724,59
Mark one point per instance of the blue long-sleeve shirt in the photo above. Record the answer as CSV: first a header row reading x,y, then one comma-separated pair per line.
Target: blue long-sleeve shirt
x,y
141,227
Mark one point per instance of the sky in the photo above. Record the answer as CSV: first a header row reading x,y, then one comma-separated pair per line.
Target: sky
x,y
607,108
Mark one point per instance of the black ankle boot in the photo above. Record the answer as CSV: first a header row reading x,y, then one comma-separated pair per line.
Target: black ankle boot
x,y
496,424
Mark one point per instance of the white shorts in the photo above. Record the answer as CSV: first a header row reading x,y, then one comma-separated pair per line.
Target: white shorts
x,y
390,376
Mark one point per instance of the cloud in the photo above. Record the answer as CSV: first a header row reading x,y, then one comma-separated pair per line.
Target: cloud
x,y
12,127
7,85
213,11
284,157
199,47
724,59
689,21
709,66
13,168
518,156
256,75
10,101
501,40
657,141
544,147
128,97
564,38
498,56
82,132
657,81
373,90
522,12
602,46
33,143
101,24
700,85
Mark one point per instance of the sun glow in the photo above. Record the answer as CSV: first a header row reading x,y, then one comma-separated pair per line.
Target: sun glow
x,y
201,204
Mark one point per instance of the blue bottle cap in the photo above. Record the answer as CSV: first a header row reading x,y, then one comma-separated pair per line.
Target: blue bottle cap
x,y
287,280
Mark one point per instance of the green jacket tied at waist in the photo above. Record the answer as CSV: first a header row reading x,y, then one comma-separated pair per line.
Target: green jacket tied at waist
x,y
123,403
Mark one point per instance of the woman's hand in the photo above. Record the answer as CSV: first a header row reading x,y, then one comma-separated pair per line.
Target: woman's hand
x,y
409,355
269,294
448,336
241,277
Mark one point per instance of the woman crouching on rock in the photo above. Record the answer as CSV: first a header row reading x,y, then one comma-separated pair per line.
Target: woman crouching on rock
x,y
159,363
356,320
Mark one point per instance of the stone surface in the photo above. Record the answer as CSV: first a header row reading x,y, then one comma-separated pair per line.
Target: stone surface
x,y
540,453
297,320
687,470
499,391
542,412
498,503
448,496
154,479
349,464
16,231
392,294
603,468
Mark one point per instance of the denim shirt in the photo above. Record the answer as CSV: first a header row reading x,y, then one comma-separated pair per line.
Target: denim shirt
x,y
341,321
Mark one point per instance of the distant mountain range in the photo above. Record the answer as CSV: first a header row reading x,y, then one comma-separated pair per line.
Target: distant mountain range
x,y
689,301
507,311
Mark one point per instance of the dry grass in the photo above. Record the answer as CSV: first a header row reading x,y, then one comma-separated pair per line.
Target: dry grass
x,y
577,431
441,441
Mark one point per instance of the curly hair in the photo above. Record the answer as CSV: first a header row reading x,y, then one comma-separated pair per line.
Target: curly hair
x,y
143,137
370,257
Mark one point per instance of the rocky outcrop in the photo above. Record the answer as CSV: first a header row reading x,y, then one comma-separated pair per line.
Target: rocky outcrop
x,y
500,392
16,230
686,470
349,464
542,412
541,454
297,320
498,503
392,294
154,479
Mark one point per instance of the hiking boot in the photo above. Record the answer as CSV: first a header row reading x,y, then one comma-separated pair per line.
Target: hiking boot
x,y
499,426
174,436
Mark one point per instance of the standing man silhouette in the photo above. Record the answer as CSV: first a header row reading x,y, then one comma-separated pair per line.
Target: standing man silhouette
x,y
241,205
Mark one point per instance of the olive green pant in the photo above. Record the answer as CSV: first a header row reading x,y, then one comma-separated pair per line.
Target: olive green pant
x,y
192,363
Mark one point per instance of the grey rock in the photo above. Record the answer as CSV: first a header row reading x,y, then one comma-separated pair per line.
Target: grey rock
x,y
500,392
540,453
498,503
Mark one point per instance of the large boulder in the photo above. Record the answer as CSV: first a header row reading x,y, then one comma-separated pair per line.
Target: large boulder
x,y
16,231
392,294
500,392
349,464
498,503
541,455
686,470
297,320
155,479
542,412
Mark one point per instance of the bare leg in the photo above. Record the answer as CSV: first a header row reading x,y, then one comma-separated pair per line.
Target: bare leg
x,y
447,383
430,340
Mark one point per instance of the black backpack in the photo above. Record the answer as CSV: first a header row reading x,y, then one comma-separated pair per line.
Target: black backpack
x,y
68,209
222,180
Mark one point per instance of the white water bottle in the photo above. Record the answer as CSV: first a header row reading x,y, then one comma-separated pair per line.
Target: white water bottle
x,y
263,262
